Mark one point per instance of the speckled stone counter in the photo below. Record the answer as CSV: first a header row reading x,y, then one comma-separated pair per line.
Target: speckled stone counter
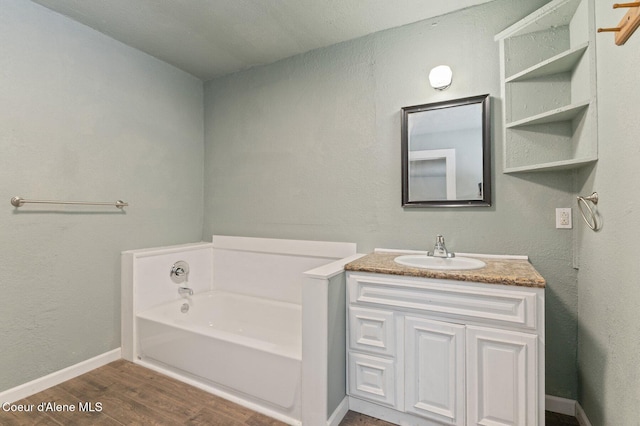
x,y
514,272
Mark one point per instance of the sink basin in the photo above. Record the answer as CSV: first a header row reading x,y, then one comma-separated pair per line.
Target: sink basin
x,y
439,263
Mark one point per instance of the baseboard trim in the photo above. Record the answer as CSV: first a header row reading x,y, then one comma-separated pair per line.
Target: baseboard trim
x,y
560,405
57,377
581,416
568,407
339,413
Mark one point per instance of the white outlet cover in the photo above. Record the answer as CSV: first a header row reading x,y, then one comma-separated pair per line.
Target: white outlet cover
x,y
564,218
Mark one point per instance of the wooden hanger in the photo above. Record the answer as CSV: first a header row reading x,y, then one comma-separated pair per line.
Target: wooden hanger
x,y
629,23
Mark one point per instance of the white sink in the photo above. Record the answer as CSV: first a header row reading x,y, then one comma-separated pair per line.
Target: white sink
x,y
429,262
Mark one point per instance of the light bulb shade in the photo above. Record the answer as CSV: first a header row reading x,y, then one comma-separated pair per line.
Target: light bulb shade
x,y
440,77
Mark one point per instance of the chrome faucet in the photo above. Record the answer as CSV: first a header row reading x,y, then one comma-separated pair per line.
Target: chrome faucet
x,y
440,250
179,272
185,290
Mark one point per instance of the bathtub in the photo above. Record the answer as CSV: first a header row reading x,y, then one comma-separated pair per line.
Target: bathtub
x,y
265,327
237,342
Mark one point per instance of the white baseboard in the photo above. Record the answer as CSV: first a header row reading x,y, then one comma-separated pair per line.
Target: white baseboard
x,y
339,413
57,377
560,405
581,416
568,407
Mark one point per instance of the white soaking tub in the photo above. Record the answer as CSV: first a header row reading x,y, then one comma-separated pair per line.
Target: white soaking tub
x,y
265,326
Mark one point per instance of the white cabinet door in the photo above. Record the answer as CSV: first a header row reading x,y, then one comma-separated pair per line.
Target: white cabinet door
x,y
501,377
434,370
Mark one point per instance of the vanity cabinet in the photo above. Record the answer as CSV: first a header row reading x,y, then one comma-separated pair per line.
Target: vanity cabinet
x,y
548,76
432,351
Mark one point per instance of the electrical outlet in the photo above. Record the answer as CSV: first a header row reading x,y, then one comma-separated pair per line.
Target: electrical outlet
x,y
563,218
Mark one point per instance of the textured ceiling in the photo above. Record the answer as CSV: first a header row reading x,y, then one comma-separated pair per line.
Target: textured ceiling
x,y
210,38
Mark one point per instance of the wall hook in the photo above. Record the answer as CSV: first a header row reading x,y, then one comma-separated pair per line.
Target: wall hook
x,y
633,4
629,23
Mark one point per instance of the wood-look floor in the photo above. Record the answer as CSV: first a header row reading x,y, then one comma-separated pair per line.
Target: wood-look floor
x,y
134,395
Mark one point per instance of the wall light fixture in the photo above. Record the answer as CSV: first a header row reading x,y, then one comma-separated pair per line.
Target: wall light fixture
x,y
440,77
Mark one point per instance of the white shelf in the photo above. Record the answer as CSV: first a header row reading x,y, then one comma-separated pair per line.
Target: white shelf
x,y
564,62
565,113
551,15
554,165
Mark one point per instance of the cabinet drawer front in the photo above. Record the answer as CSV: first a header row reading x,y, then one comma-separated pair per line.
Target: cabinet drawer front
x,y
373,379
495,306
371,330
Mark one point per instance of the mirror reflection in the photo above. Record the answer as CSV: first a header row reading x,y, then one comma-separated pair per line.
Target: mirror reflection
x,y
445,153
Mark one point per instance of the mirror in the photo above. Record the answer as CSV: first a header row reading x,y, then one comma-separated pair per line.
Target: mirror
x,y
446,154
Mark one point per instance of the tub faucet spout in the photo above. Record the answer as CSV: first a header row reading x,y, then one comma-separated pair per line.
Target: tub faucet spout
x,y
185,290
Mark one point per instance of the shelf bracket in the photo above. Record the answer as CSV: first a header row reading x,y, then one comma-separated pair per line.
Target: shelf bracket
x,y
629,23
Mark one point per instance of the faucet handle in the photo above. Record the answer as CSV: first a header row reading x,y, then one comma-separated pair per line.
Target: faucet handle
x,y
179,272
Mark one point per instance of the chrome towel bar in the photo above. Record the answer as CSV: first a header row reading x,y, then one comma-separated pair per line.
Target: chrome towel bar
x,y
19,202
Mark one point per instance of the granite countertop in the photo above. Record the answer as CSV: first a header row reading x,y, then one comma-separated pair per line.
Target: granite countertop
x,y
515,272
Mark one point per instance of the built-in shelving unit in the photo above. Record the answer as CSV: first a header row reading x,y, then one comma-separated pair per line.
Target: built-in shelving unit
x,y
549,88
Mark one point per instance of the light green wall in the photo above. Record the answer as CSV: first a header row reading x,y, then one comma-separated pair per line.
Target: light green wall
x,y
309,148
609,277
84,117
